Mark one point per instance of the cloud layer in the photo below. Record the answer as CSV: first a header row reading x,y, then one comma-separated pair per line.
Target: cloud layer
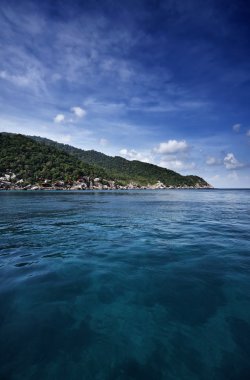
x,y
119,77
231,162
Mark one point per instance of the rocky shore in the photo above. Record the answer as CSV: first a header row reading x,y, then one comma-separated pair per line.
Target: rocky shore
x,y
11,182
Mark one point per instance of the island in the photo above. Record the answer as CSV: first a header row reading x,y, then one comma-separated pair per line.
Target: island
x,y
36,163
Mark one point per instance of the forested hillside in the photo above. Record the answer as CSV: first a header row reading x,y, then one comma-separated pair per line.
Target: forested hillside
x,y
32,161
35,159
125,170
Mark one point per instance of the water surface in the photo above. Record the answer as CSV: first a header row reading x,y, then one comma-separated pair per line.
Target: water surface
x,y
125,285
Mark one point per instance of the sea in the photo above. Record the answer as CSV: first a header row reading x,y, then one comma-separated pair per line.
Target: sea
x,y
125,285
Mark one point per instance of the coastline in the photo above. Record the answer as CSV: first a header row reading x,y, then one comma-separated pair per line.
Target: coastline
x,y
94,188
12,182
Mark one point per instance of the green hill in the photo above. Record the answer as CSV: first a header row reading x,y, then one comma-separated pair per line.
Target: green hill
x,y
34,159
124,170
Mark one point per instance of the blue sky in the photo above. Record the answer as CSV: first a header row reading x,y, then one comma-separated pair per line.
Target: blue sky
x,y
166,82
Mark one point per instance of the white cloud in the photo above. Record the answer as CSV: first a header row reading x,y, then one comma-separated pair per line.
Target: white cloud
x,y
171,146
176,164
78,111
248,133
236,127
134,155
213,161
59,118
231,162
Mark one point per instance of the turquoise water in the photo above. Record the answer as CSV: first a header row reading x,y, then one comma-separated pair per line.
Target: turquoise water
x,y
125,285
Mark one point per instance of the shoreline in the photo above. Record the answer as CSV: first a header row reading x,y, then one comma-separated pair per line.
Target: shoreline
x,y
11,182
105,190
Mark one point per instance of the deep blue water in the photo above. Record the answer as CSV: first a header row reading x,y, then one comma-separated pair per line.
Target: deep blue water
x,y
125,285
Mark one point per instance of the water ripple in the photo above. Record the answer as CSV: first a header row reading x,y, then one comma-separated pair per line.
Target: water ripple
x,y
125,285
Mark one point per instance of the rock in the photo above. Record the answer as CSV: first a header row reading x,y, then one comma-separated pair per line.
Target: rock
x,y
59,184
5,185
78,186
46,185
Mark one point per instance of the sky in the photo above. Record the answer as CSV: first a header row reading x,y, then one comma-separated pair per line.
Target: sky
x,y
165,82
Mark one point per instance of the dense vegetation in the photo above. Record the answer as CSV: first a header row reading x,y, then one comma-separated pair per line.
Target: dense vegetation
x,y
125,170
34,159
